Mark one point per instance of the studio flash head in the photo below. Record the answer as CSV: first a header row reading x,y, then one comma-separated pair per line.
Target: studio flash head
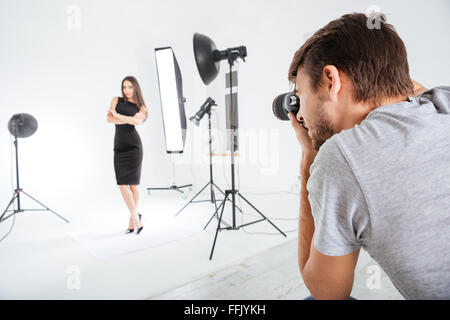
x,y
204,109
285,103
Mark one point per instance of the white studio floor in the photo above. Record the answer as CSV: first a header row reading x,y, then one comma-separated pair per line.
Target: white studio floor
x,y
171,254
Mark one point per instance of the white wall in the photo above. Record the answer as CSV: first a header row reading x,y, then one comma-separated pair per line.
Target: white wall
x,y
67,77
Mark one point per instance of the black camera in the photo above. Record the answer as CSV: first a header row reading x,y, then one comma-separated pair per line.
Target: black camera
x,y
285,103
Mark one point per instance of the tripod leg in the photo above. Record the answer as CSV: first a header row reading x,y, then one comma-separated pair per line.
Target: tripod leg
x,y
45,207
236,206
213,197
261,214
228,199
218,226
192,199
185,186
177,189
215,213
9,205
218,188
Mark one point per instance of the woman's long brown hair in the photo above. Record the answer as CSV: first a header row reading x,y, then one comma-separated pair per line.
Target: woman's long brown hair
x,y
137,94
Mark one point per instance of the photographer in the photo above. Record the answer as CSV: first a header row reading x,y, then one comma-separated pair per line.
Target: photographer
x,y
375,167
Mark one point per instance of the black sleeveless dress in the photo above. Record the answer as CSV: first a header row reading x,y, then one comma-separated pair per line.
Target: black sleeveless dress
x,y
127,147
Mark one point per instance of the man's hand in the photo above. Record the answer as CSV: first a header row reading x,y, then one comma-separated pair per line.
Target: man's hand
x,y
303,138
306,222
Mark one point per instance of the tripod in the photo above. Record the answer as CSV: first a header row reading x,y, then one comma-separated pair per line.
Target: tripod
x,y
17,193
211,181
173,187
233,192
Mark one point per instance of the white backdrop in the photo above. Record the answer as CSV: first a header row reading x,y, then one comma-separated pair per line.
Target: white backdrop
x,y
65,74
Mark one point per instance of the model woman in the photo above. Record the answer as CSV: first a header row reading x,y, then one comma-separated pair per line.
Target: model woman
x,y
126,112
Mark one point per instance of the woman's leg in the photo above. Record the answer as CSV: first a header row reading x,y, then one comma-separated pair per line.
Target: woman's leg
x,y
135,191
128,198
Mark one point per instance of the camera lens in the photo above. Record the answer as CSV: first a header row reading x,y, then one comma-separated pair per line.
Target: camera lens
x,y
285,103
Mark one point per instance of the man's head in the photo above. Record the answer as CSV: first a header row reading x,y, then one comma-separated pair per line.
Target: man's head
x,y
345,70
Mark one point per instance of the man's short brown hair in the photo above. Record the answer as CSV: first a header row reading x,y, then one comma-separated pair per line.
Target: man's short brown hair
x,y
374,58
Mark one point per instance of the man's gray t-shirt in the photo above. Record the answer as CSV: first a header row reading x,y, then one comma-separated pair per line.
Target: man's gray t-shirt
x,y
384,185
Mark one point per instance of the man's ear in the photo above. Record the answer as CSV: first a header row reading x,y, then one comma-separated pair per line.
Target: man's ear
x,y
332,80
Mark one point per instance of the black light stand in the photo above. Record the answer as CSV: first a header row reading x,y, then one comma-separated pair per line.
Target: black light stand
x,y
232,56
17,193
211,180
173,187
207,59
